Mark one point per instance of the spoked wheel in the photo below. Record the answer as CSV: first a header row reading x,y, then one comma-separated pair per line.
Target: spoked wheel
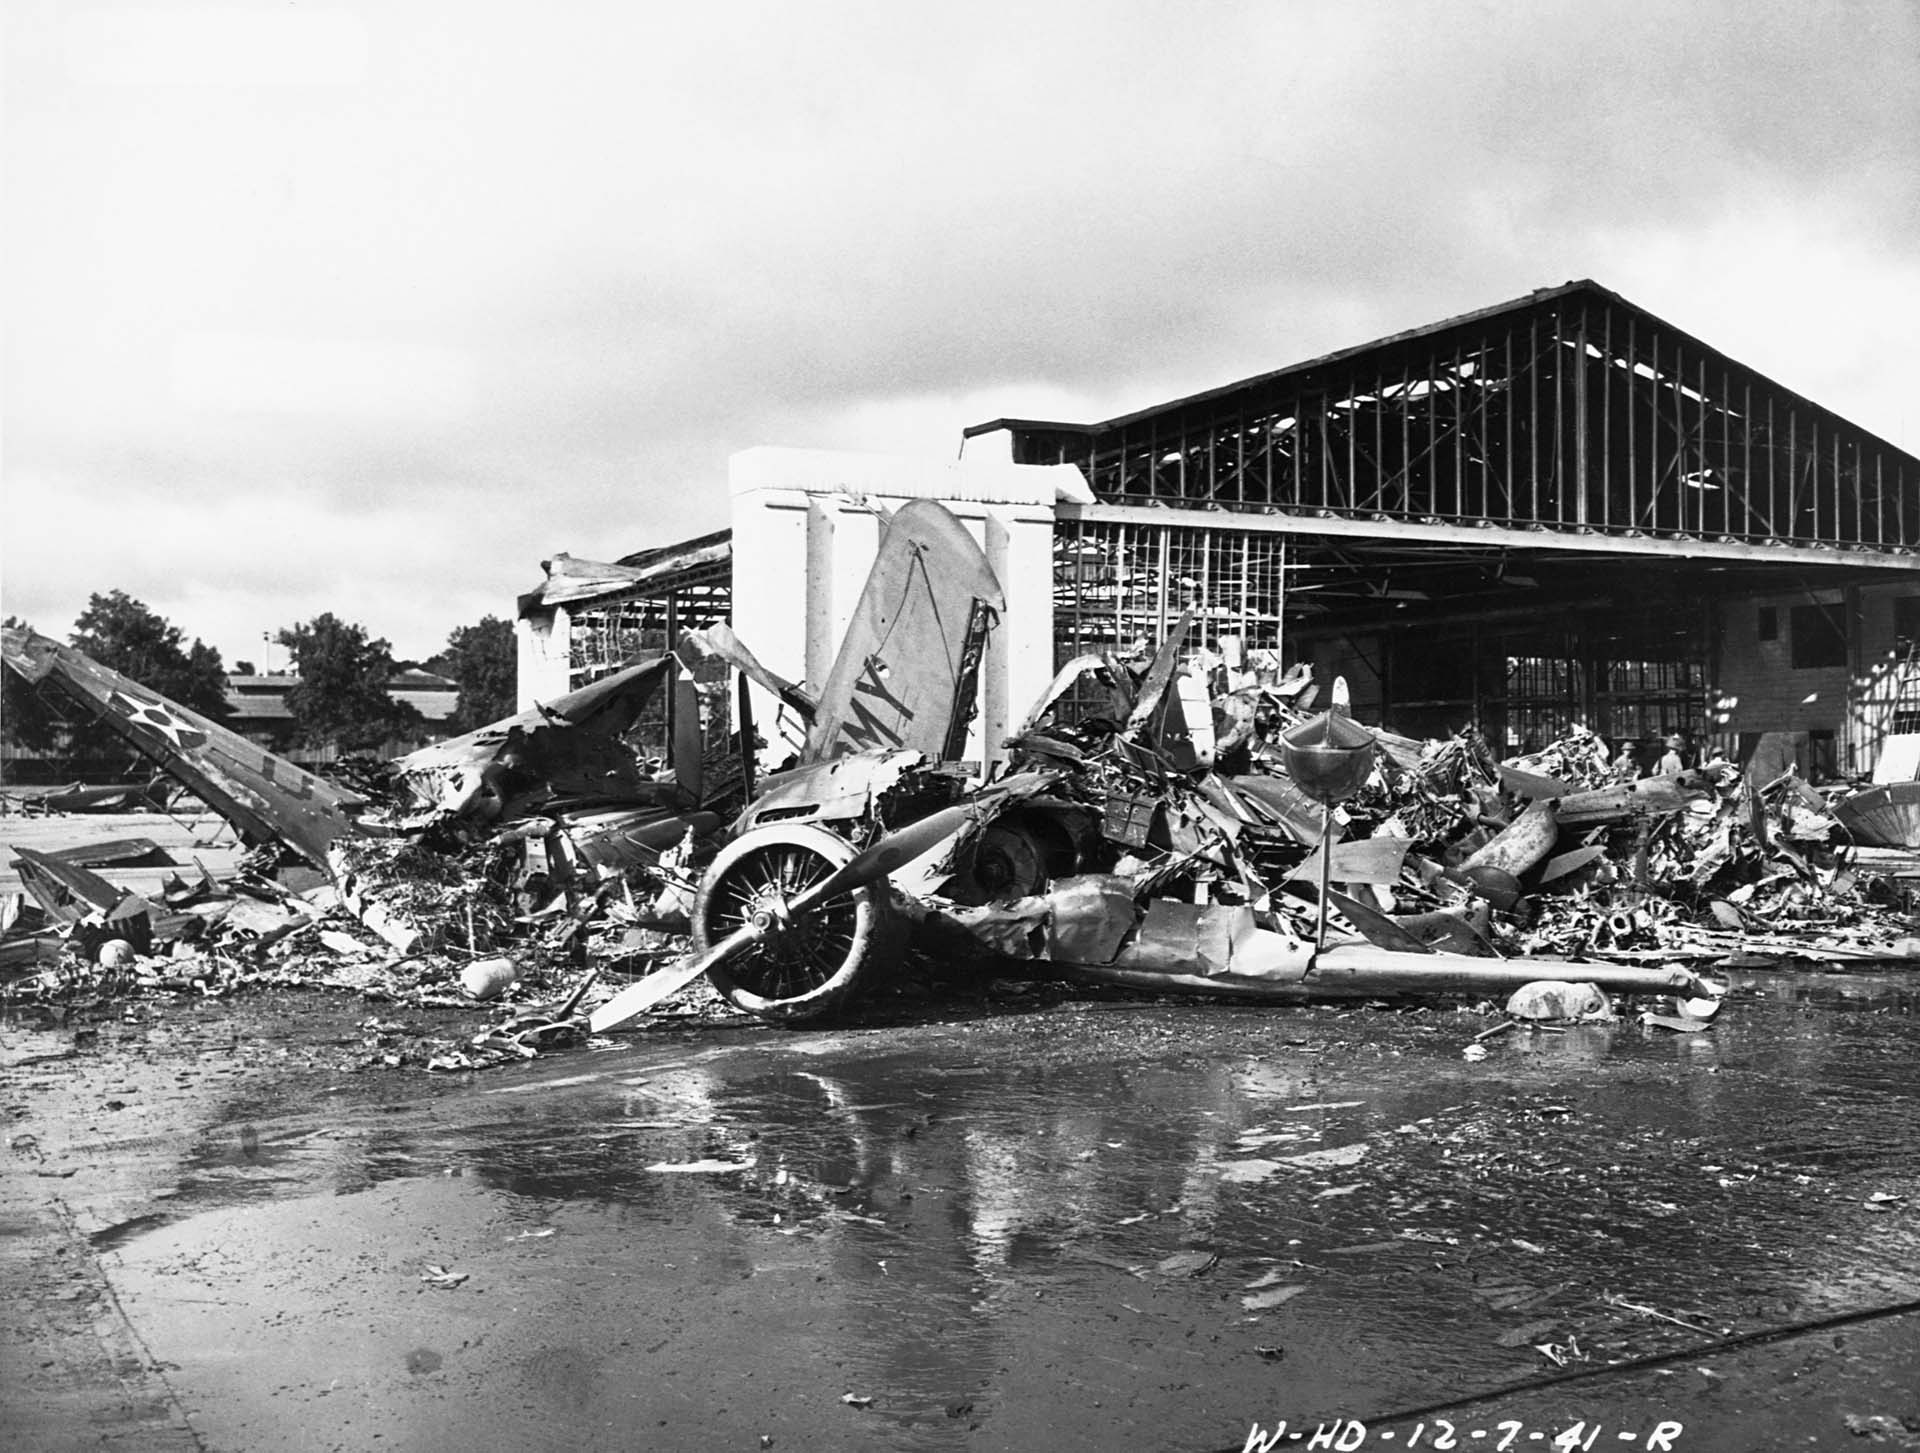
x,y
800,968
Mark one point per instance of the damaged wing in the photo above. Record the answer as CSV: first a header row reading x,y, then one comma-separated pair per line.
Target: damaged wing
x,y
719,640
264,796
908,665
569,748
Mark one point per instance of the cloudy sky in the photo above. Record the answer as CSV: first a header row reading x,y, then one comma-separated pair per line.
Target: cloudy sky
x,y
368,307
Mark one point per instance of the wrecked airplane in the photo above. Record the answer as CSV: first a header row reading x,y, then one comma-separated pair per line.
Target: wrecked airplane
x,y
1109,851
1176,820
267,798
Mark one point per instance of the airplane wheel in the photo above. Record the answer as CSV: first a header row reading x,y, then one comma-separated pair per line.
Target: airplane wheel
x,y
805,968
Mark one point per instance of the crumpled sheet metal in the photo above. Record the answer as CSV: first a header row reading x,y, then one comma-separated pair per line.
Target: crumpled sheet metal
x,y
1285,803
65,891
1092,915
1887,815
569,746
1093,921
831,791
1356,860
1096,920
622,838
265,797
1013,930
1214,941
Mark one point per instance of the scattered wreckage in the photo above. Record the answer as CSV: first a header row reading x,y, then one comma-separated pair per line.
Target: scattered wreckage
x,y
1179,821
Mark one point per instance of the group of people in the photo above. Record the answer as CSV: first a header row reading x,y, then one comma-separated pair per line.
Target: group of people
x,y
1675,756
1662,757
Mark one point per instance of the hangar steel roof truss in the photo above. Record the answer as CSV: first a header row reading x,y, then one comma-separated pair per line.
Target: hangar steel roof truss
x,y
1570,410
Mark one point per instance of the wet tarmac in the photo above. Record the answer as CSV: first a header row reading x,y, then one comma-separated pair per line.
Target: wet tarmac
x,y
1073,1226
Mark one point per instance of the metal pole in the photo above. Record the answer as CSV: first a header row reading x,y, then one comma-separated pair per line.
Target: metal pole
x,y
1326,872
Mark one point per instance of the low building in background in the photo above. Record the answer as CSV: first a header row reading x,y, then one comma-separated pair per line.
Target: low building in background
x,y
261,714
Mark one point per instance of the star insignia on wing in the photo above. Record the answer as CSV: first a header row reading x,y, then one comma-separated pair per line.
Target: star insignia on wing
x,y
155,717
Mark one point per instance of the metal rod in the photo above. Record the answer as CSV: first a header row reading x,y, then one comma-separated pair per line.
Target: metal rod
x,y
1326,871
1433,440
1240,458
1270,441
1773,454
1485,403
1726,450
1681,522
1838,529
1653,439
1380,440
1606,418
1700,453
1582,424
1793,474
1353,444
1633,385
1406,440
1507,408
1533,420
1326,453
1299,439
1460,430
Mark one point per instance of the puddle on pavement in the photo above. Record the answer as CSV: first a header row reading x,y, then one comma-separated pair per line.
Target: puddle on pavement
x,y
983,1224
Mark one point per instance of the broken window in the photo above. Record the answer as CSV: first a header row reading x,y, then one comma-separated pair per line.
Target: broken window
x,y
1819,637
1906,626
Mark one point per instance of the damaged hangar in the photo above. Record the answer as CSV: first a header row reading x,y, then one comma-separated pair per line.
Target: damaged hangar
x,y
1560,509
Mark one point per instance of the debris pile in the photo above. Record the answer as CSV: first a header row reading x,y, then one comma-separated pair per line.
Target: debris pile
x,y
1179,818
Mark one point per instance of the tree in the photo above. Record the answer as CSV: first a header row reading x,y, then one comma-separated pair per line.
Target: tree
x,y
124,635
27,718
484,659
342,697
127,636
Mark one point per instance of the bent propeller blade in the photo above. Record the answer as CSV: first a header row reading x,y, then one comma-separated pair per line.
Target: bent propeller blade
x,y
895,850
639,998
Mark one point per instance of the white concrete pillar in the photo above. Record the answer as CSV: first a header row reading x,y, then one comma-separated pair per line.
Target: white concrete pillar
x,y
544,642
805,530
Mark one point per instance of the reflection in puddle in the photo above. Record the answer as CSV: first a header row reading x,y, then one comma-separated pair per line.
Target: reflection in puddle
x,y
948,1203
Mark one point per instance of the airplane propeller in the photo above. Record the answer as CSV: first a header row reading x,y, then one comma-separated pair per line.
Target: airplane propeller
x,y
891,852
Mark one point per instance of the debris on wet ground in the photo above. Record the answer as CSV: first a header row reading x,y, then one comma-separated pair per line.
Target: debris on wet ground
x,y
1881,1428
1559,1003
1635,1194
1177,819
1187,1263
702,1167
1271,1297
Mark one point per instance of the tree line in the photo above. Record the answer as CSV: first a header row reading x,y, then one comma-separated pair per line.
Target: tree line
x,y
340,699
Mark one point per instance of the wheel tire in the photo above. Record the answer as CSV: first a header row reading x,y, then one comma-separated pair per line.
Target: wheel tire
x,y
807,970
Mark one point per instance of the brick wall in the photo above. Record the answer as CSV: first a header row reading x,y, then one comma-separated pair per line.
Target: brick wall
x,y
1759,689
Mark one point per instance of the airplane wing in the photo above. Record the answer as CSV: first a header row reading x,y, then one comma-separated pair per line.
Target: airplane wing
x,y
719,640
264,796
909,664
570,745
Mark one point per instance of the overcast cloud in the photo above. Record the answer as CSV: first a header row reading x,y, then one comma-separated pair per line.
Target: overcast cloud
x,y
369,307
